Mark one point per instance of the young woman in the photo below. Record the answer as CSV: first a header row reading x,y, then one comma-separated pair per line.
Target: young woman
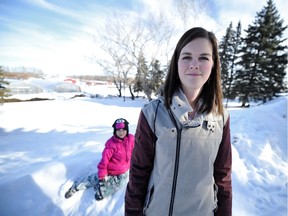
x,y
181,163
114,165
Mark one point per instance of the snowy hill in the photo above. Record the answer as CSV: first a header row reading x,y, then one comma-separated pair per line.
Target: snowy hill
x,y
45,145
260,168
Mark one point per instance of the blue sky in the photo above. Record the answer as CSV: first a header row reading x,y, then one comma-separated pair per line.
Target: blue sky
x,y
56,36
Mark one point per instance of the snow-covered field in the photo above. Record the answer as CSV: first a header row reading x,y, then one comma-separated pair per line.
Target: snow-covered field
x,y
45,145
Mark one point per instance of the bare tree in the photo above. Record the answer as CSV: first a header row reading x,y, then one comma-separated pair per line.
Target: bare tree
x,y
123,39
113,59
190,11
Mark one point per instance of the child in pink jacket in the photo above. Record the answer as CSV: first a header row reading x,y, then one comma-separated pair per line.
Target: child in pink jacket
x,y
114,165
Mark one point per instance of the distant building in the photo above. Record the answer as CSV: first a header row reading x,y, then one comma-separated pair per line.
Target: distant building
x,y
33,86
72,80
96,82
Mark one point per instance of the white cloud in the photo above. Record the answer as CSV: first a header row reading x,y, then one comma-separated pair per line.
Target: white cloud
x,y
46,5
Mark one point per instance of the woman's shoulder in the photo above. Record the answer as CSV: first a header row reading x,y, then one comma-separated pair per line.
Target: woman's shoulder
x,y
154,101
226,115
153,104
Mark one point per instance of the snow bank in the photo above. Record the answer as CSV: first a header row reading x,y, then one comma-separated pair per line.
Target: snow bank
x,y
46,145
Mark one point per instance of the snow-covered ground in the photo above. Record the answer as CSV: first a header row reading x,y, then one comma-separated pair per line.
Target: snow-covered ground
x,y
45,145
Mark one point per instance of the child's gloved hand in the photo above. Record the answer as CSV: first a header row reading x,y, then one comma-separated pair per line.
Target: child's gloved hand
x,y
98,189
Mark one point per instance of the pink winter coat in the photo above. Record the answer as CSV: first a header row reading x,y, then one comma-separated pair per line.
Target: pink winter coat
x,y
116,156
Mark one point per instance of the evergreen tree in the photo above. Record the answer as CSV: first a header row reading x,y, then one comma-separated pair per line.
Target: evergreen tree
x,y
274,60
147,80
3,89
156,76
264,60
142,77
237,44
225,57
137,87
228,51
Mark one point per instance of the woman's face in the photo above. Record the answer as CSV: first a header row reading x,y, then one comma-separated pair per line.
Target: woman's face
x,y
195,64
121,133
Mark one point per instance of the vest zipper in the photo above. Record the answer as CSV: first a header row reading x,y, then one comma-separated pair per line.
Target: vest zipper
x,y
177,156
176,166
